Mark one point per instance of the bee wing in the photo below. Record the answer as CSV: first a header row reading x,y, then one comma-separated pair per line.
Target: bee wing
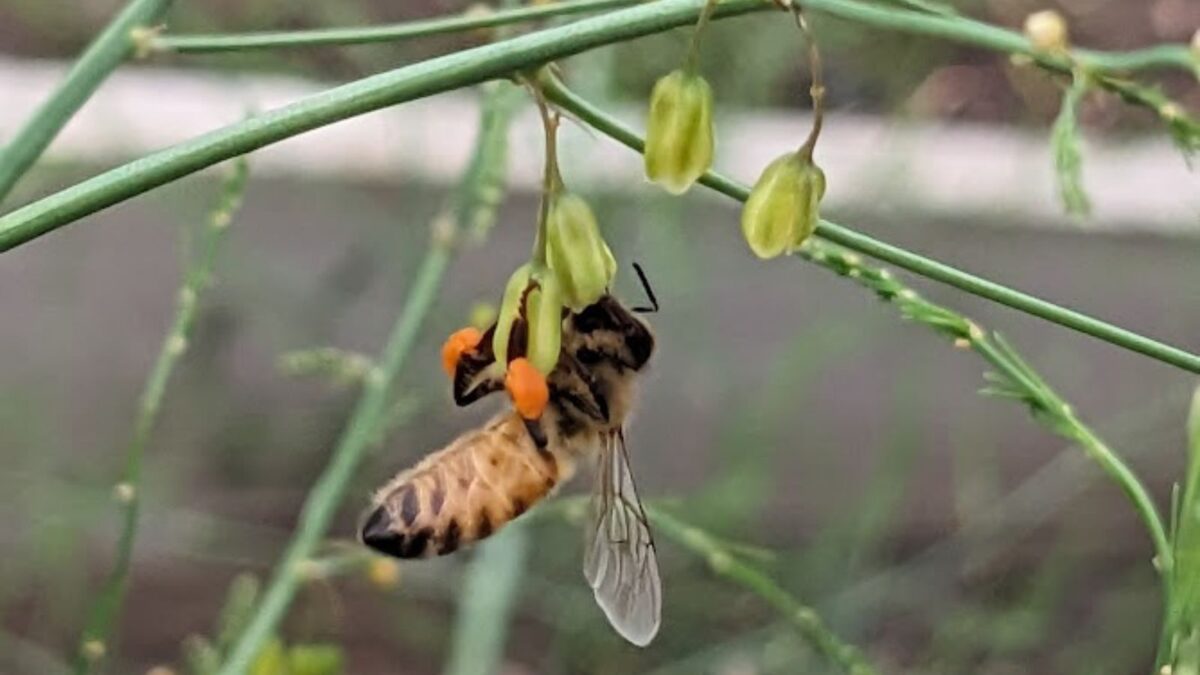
x,y
619,560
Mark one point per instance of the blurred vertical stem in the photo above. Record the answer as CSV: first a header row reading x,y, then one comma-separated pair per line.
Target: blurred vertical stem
x,y
102,619
1180,646
486,599
474,202
691,63
725,564
485,603
107,51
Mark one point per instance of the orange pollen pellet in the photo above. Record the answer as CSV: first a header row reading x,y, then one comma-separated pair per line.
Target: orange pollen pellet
x,y
527,387
461,340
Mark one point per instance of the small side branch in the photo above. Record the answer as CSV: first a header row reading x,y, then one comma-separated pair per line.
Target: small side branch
x,y
724,563
409,30
93,646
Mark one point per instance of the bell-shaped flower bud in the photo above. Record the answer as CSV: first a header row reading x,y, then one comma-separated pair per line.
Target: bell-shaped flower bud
x,y
482,315
510,310
383,573
679,133
543,311
783,208
576,252
315,659
271,659
1047,31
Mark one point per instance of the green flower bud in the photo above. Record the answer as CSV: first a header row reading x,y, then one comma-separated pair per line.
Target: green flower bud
x,y
679,134
510,309
315,660
576,251
270,660
482,315
543,309
534,296
783,208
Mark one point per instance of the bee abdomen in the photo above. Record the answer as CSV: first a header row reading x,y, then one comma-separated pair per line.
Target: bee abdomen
x,y
463,493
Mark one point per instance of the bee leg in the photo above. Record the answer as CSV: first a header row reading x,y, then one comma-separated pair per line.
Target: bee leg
x,y
471,381
537,433
464,396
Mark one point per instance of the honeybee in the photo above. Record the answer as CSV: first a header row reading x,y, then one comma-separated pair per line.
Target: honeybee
x,y
491,475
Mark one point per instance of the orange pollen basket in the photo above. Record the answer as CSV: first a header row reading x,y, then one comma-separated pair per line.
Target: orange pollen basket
x,y
461,340
527,387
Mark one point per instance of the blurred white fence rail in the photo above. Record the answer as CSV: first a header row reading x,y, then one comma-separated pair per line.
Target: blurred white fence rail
x,y
972,172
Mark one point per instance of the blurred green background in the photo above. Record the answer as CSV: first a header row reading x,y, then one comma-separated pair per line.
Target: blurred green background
x,y
786,408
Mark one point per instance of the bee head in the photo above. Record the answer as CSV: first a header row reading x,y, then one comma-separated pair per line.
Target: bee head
x,y
609,331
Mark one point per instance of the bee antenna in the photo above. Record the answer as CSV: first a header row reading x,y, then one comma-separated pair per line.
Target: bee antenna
x,y
653,307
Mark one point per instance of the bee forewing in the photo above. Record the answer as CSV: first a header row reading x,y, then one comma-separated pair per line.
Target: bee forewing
x,y
620,562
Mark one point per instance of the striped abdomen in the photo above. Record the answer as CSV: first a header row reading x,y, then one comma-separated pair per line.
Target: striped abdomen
x,y
464,492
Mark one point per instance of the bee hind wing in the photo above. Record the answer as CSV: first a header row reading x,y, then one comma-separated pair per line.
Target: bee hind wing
x,y
620,561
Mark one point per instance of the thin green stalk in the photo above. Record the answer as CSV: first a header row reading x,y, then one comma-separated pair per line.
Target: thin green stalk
x,y
196,278
1064,141
485,603
943,25
1015,378
900,257
1057,415
1105,66
725,564
467,21
1018,512
1180,643
480,184
445,73
691,62
106,52
979,34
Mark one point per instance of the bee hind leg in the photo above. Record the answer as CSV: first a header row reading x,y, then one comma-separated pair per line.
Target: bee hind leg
x,y
537,433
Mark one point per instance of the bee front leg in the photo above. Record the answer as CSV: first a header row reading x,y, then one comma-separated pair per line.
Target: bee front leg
x,y
469,386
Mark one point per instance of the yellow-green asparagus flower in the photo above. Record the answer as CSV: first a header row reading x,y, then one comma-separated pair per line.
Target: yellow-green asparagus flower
x,y
576,251
679,134
784,206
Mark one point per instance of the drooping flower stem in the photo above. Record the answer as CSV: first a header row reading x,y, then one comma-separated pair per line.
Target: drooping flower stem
x,y
692,62
817,90
551,177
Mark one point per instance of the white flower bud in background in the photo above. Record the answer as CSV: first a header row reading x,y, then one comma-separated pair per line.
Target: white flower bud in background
x,y
1047,31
